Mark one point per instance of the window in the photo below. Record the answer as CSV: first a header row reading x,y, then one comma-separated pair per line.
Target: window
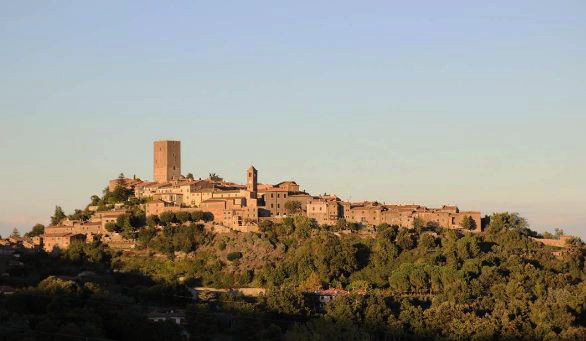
x,y
278,205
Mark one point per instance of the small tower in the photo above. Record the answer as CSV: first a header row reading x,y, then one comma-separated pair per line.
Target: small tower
x,y
251,181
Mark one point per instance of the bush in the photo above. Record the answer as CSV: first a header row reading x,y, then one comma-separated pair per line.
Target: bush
x,y
167,217
232,256
183,217
152,220
196,216
113,227
265,225
208,216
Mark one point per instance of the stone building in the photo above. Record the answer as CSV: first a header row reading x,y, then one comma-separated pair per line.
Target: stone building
x,y
167,160
374,213
234,204
105,217
252,181
57,241
124,182
326,210
241,206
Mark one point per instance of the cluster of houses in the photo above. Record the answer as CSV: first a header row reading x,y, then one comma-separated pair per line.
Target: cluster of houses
x,y
68,231
244,206
59,237
240,206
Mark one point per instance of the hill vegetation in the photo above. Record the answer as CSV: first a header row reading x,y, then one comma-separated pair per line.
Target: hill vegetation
x,y
397,283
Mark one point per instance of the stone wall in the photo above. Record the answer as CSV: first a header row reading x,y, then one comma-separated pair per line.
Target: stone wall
x,y
554,242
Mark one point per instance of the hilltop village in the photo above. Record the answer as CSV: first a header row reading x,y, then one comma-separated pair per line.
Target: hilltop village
x,y
238,206
179,248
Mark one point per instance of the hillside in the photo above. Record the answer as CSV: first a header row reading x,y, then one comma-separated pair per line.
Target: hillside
x,y
419,282
395,283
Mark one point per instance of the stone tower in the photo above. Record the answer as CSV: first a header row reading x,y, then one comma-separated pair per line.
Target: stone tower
x,y
251,181
167,160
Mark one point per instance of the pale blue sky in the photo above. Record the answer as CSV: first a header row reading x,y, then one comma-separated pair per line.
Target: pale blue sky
x,y
479,104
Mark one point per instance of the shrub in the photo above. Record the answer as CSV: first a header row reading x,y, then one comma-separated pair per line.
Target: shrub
x,y
208,216
167,217
113,227
232,256
183,216
197,216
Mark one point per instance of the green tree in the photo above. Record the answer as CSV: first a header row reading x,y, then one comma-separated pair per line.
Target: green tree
x,y
303,226
58,216
346,309
80,215
341,225
215,177
418,223
399,279
183,216
575,242
208,216
506,221
152,220
232,256
197,216
359,285
146,235
113,227
376,313
94,200
285,300
15,233
120,194
167,218
427,241
293,207
355,227
37,230
405,240
265,225
468,223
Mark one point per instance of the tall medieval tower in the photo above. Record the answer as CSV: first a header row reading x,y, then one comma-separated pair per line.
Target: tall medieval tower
x,y
252,181
167,160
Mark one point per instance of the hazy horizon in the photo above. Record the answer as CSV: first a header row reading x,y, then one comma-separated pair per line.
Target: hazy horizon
x,y
479,105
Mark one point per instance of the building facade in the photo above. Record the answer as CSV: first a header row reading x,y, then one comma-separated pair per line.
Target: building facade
x,y
167,160
243,205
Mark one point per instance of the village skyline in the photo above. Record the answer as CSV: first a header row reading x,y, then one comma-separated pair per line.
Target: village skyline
x,y
292,170
484,108
275,178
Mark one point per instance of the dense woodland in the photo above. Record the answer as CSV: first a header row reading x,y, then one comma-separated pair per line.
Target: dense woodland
x,y
422,282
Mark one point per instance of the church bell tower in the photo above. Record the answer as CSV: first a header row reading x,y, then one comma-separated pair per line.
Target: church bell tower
x,y
251,181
